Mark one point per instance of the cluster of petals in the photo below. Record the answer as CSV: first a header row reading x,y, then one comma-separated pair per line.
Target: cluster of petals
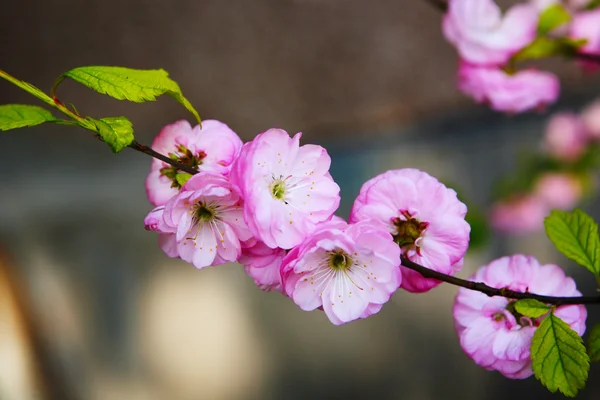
x,y
348,270
586,25
211,147
486,41
269,204
491,332
425,218
503,91
567,140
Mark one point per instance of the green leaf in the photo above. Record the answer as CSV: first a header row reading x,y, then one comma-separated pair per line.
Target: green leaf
x,y
594,344
559,358
138,85
182,178
531,308
13,116
576,236
543,47
551,18
117,132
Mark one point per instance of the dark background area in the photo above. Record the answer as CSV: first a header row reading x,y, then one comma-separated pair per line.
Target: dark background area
x,y
372,81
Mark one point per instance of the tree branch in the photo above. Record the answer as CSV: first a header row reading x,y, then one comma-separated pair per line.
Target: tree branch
x,y
148,150
491,291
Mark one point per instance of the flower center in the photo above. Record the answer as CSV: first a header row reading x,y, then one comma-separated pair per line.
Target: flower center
x,y
183,155
339,260
203,213
278,189
408,230
520,319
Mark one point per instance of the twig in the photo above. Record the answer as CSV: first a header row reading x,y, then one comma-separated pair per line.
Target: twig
x,y
491,291
148,150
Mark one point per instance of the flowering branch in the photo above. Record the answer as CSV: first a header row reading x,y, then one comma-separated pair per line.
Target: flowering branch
x,y
442,5
491,291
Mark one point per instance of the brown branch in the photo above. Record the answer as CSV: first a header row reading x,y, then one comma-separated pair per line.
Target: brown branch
x,y
491,291
148,150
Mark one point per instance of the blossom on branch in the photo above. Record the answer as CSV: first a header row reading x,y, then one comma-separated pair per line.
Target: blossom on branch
x,y
287,188
211,148
483,35
586,25
348,270
565,137
516,92
491,332
425,218
203,224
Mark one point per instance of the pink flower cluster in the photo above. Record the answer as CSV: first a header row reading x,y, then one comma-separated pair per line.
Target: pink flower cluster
x,y
488,40
492,332
568,139
269,204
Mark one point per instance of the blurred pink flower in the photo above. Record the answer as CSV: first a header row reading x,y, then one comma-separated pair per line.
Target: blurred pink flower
x,y
558,190
483,35
348,270
565,136
586,25
590,118
262,264
519,215
522,91
491,332
211,148
203,224
287,188
425,218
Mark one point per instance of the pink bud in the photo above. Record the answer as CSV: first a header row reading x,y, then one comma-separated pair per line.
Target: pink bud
x,y
565,137
558,190
519,215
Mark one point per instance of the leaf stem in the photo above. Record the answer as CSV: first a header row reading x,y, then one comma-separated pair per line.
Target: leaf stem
x,y
491,291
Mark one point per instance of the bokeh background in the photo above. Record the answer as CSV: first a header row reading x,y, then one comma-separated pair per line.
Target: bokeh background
x,y
89,306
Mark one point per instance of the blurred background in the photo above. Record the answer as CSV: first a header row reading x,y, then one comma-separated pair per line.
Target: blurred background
x,y
89,306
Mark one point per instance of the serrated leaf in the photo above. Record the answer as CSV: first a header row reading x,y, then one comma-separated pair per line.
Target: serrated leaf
x,y
13,116
552,17
182,178
138,85
531,308
594,344
559,358
117,132
576,236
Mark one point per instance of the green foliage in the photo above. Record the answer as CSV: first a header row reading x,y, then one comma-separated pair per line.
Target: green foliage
x,y
560,361
594,344
135,85
531,308
117,132
552,17
13,116
543,47
182,178
576,236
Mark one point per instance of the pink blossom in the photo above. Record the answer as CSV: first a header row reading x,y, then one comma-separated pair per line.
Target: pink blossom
x,y
287,188
565,137
425,218
586,25
515,93
519,215
211,148
262,264
590,118
558,190
483,36
348,270
491,332
203,224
